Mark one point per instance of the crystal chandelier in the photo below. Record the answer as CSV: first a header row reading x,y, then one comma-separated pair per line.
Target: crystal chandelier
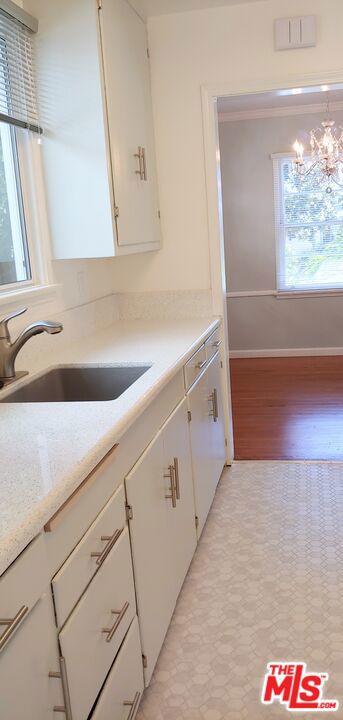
x,y
327,154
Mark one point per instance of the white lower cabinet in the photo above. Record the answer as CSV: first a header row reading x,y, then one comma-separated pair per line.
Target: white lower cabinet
x,y
96,628
90,665
207,437
26,690
159,493
123,688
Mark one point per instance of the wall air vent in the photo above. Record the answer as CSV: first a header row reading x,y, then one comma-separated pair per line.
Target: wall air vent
x,y
294,33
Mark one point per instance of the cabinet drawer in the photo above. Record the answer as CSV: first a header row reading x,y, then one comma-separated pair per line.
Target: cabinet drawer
x,y
70,522
124,686
88,556
212,344
92,635
194,366
21,586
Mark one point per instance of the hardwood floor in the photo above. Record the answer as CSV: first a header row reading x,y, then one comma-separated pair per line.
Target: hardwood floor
x,y
288,408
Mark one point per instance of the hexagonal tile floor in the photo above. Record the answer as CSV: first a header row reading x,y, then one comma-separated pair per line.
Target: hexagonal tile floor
x,y
266,583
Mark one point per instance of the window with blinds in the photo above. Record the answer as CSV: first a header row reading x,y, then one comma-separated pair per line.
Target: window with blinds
x,y
18,117
18,103
309,230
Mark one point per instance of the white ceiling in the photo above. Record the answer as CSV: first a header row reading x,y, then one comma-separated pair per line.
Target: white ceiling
x,y
147,8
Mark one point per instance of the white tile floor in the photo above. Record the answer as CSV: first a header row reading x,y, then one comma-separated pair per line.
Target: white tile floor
x,y
266,583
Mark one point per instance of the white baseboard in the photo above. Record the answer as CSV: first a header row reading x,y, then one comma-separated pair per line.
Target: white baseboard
x,y
286,352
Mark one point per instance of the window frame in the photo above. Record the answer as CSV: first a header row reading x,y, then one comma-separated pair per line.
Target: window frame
x,y
27,177
33,201
13,182
280,232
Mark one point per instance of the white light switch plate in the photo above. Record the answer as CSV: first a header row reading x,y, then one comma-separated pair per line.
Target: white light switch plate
x,y
294,33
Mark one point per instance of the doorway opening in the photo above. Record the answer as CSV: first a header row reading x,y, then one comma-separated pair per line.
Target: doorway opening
x,y
283,240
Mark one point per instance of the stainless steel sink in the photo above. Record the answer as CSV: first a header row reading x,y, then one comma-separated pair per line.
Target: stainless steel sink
x,y
78,384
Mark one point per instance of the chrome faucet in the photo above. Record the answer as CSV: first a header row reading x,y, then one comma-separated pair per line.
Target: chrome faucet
x,y
9,350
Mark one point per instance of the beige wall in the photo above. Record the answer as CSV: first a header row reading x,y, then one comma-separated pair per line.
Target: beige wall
x,y
258,323
188,50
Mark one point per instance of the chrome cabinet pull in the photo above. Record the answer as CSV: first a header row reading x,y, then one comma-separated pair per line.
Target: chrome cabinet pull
x,y
214,398
177,478
12,624
145,177
216,343
133,704
111,541
66,708
120,614
200,365
171,476
138,155
142,163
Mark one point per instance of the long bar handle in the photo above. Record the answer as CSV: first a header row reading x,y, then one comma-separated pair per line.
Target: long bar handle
x,y
215,405
120,614
12,624
143,155
66,708
177,478
133,704
138,155
171,476
111,541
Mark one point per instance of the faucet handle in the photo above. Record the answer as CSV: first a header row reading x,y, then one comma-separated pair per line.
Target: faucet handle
x,y
4,333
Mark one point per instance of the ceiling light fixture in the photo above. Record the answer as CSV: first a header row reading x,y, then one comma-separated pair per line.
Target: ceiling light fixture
x,y
327,154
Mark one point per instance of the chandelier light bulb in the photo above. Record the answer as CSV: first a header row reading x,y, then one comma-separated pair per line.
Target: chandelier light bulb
x,y
299,149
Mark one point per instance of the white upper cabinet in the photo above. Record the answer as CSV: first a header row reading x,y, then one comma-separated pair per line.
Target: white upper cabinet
x,y
129,110
96,111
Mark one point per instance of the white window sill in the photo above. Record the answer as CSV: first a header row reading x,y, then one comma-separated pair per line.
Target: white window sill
x,y
293,294
28,295
287,294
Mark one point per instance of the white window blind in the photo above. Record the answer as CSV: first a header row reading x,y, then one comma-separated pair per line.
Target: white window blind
x,y
309,230
18,102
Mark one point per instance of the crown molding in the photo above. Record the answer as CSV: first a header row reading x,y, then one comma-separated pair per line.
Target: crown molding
x,y
278,112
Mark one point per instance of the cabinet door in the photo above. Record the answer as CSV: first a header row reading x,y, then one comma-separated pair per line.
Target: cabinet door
x,y
207,437
177,455
130,125
162,530
217,432
122,691
151,540
200,431
26,691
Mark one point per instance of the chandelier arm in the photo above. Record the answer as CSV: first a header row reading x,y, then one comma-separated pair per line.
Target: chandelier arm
x,y
311,168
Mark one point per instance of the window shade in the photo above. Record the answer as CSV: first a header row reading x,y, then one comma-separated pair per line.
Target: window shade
x,y
18,102
309,228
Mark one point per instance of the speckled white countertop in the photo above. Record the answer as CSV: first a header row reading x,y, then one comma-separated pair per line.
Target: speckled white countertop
x,y
47,449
